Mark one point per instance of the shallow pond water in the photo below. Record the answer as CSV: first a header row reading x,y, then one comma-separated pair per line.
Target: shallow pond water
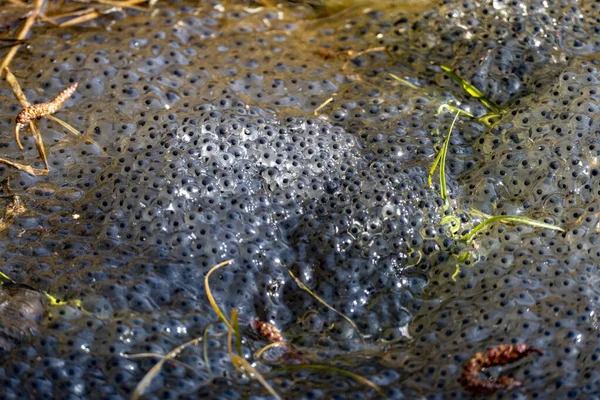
x,y
276,137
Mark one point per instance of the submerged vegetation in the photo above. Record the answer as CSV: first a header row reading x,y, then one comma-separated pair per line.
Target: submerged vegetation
x,y
441,160
460,226
234,339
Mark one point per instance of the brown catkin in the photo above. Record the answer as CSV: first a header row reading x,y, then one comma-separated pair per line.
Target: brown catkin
x,y
499,355
268,331
41,110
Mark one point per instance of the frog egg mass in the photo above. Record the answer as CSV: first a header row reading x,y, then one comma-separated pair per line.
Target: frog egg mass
x,y
274,135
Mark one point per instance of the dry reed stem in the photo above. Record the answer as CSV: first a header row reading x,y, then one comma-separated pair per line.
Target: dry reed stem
x,y
89,16
37,6
354,56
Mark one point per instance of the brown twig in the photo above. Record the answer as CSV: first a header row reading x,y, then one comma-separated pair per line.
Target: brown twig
x,y
96,9
324,104
354,56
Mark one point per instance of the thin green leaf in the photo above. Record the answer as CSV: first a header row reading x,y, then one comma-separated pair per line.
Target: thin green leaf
x,y
327,368
490,119
6,278
450,108
211,299
258,353
454,223
230,335
240,362
456,272
320,300
156,355
444,152
433,167
404,81
509,218
238,336
253,373
471,90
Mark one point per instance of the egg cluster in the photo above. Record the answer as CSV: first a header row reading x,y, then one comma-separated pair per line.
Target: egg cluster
x,y
279,140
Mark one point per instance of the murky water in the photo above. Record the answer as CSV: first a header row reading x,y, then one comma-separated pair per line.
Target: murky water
x,y
201,143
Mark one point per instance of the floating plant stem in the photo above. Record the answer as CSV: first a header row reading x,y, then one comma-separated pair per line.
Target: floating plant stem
x,y
327,368
238,336
145,382
211,299
240,362
320,300
441,160
509,218
404,81
472,90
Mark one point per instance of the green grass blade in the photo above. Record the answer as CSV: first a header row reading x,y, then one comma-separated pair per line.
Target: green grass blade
x,y
320,300
327,368
490,119
235,322
404,81
433,167
444,152
240,362
254,374
229,339
211,299
6,278
453,221
156,355
456,272
471,90
450,108
509,218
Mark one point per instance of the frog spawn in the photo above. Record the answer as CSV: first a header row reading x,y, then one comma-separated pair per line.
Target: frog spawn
x,y
349,215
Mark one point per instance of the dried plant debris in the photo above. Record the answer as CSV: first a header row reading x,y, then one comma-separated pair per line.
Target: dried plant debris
x,y
252,176
150,375
11,15
38,111
271,334
29,115
268,331
80,12
25,28
323,302
11,211
495,356
21,309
